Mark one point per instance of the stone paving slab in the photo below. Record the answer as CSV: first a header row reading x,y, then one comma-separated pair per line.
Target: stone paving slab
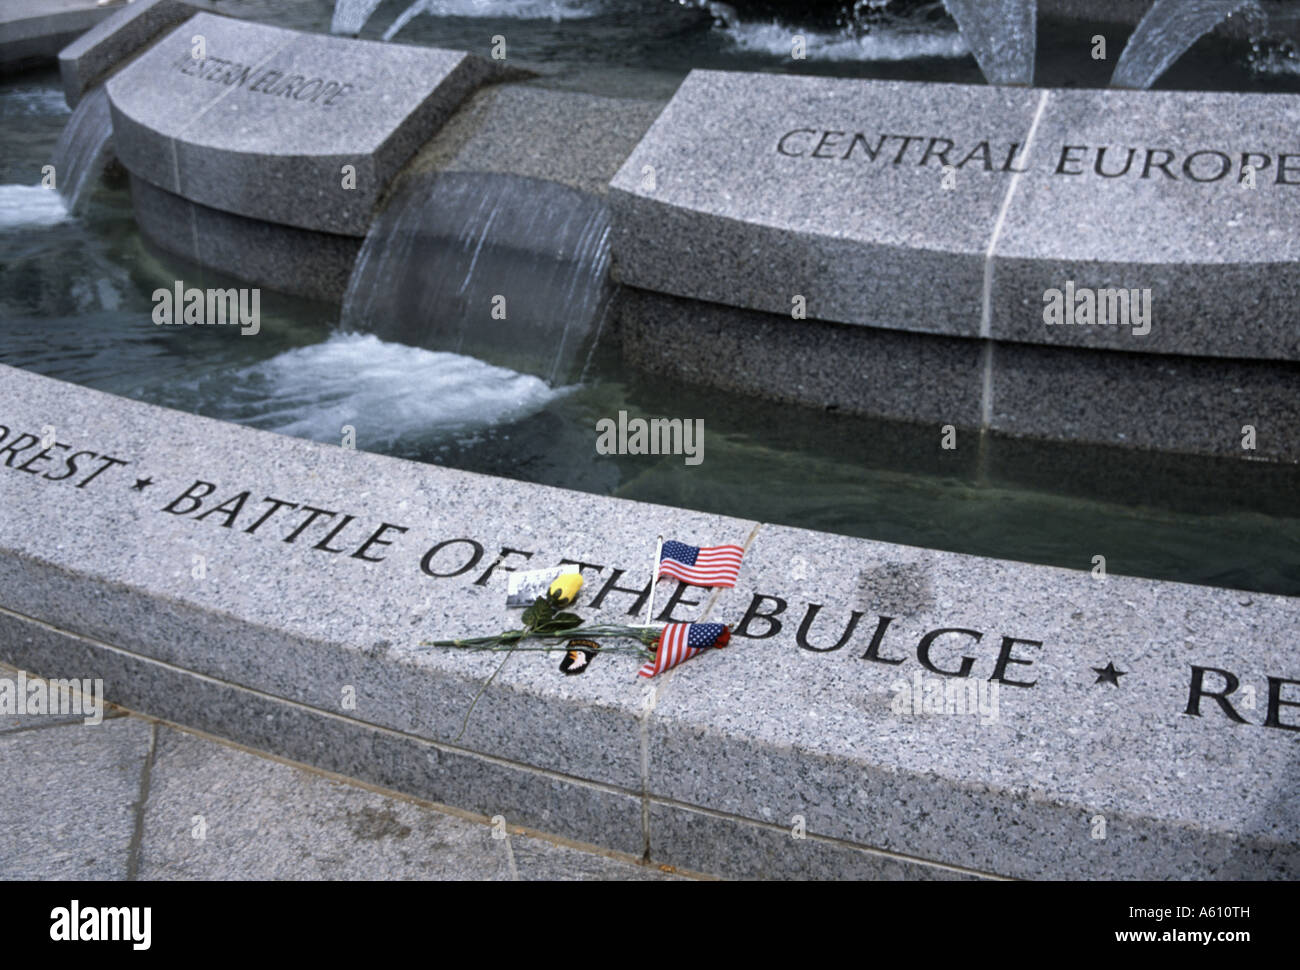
x,y
442,773
442,572
803,719
562,807
448,580
76,806
68,802
261,121
217,812
577,139
303,633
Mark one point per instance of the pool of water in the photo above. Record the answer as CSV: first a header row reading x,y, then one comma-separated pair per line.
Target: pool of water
x,y
643,48
75,303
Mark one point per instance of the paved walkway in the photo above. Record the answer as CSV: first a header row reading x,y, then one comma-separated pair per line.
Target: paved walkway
x,y
133,798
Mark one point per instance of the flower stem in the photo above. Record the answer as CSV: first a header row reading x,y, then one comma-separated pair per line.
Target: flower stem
x,y
646,635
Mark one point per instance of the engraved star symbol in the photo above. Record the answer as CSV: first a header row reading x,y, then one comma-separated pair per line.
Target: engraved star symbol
x,y
1108,674
141,484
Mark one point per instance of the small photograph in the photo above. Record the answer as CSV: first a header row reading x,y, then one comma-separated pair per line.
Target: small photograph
x,y
525,587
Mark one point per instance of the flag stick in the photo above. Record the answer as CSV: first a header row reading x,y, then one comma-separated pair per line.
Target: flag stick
x,y
654,581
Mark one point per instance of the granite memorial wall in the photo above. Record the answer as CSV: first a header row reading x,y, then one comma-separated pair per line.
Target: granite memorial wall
x,y
881,711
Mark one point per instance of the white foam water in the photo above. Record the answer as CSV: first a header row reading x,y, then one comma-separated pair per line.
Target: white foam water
x,y
388,392
884,43
555,10
30,205
29,100
514,9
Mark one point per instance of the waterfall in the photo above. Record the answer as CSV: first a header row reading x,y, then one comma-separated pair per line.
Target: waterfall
x,y
1002,34
511,270
1169,28
83,147
405,17
351,15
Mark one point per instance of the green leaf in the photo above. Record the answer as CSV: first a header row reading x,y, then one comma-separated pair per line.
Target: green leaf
x,y
565,621
539,614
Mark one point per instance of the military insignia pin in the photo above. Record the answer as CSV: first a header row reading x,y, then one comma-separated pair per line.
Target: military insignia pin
x,y
577,656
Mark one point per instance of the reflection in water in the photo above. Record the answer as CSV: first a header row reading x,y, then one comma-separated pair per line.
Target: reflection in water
x,y
555,10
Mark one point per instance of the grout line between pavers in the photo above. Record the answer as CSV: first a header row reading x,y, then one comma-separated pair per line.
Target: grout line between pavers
x,y
137,834
44,724
441,807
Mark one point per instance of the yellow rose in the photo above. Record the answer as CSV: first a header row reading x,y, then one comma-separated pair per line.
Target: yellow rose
x,y
566,587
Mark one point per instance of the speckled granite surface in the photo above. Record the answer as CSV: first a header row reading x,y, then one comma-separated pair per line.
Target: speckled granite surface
x,y
576,139
1172,403
264,123
740,193
1222,260
307,647
311,264
953,209
86,61
33,31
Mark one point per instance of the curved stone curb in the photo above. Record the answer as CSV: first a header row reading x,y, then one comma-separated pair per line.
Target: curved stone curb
x,y
311,264
298,129
293,631
1193,405
956,209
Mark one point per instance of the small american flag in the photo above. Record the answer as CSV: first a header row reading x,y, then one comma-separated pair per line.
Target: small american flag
x,y
700,566
682,641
